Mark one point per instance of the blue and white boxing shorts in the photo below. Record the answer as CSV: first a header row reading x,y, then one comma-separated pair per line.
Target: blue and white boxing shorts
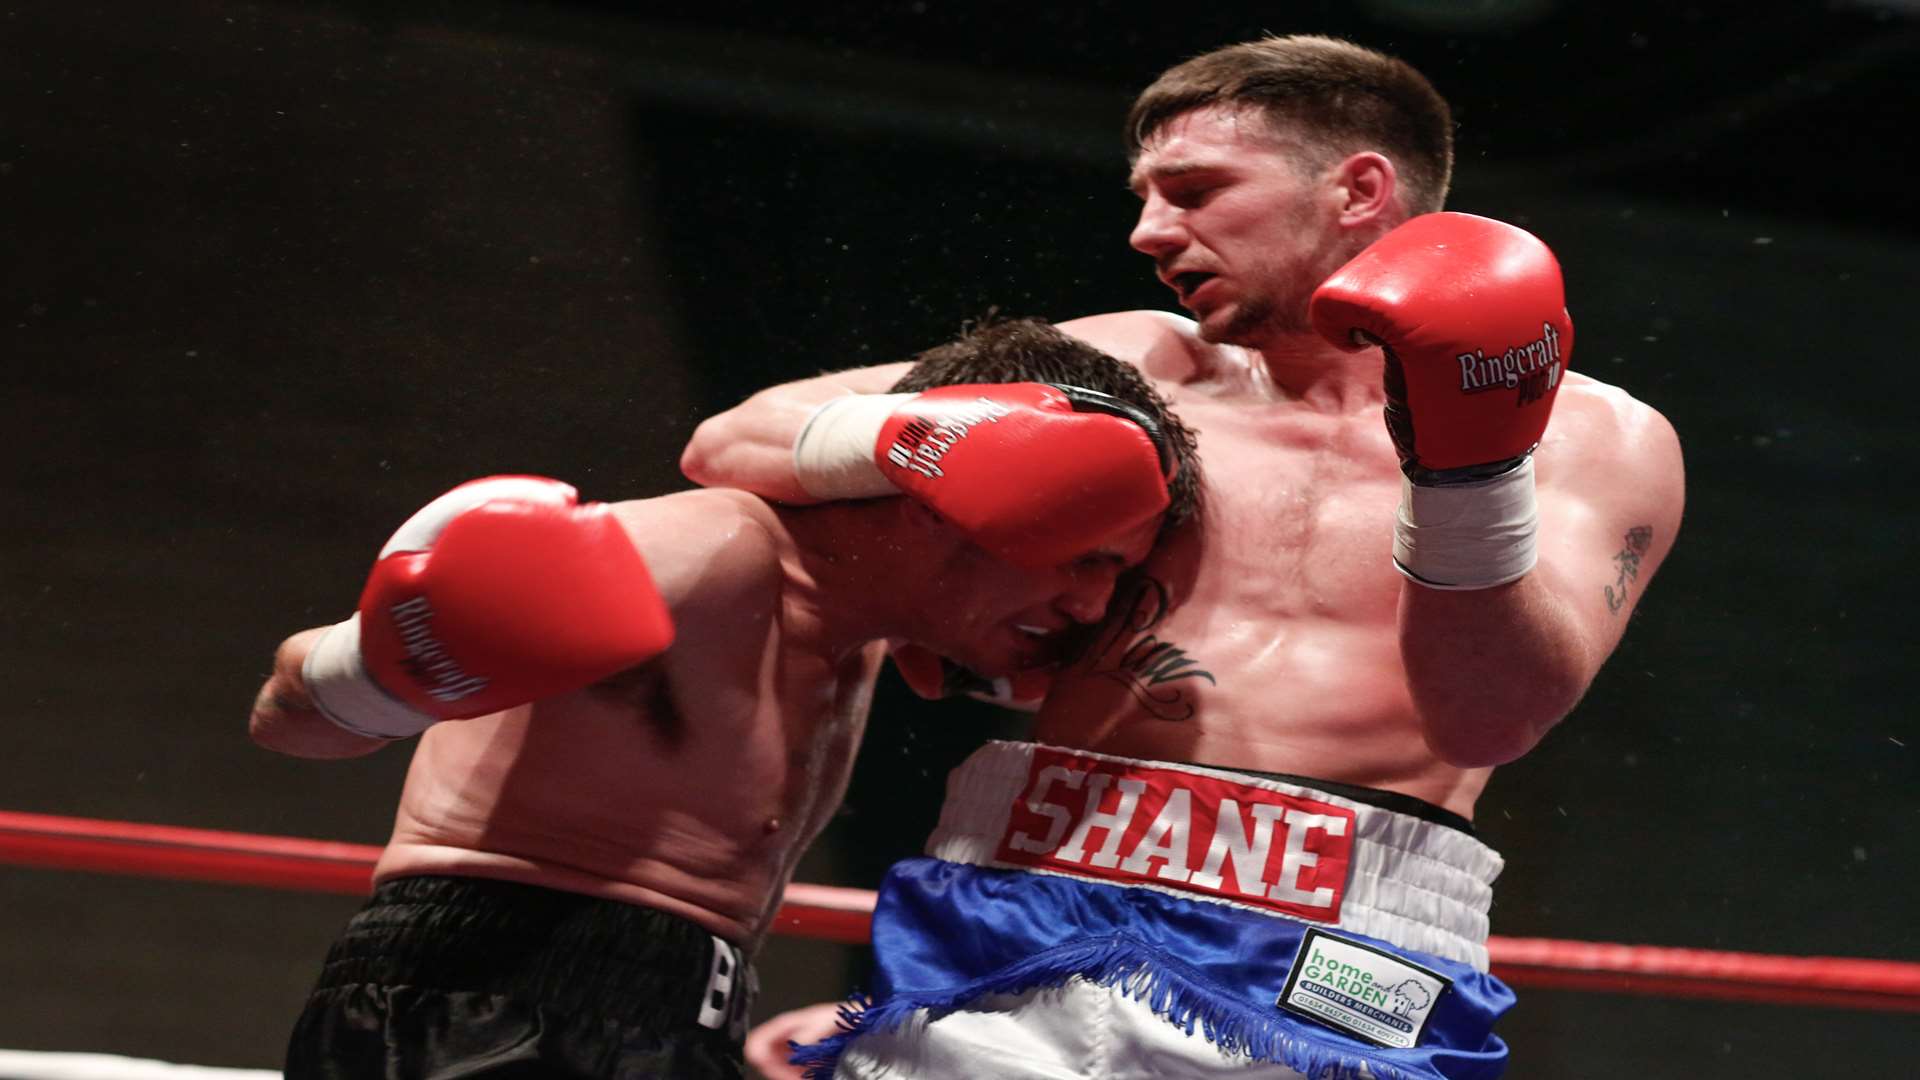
x,y
1082,915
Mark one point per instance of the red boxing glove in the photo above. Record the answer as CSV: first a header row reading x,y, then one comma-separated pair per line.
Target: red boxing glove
x,y
934,677
500,592
1473,318
1037,474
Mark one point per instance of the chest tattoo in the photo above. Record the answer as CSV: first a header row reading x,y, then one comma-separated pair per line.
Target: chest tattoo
x,y
1152,668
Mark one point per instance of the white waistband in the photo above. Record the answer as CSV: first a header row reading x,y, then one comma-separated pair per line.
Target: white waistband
x,y
1413,883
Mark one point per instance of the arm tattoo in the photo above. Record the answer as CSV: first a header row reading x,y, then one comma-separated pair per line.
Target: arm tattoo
x,y
1626,563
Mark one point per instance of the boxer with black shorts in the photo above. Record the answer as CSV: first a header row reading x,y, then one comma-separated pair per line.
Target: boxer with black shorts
x,y
1400,606
633,717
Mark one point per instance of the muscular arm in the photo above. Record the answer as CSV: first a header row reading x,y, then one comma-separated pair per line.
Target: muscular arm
x,y
710,554
1492,670
750,446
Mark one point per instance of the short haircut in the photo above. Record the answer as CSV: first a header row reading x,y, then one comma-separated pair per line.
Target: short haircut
x,y
1030,350
1338,98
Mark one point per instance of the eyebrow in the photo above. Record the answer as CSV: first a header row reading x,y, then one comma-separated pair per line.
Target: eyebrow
x,y
1137,179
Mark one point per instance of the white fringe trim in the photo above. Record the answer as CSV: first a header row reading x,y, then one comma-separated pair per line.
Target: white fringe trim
x,y
36,1065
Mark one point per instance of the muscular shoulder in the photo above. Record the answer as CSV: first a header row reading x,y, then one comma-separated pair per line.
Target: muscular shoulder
x,y
1611,448
1592,418
1164,346
709,549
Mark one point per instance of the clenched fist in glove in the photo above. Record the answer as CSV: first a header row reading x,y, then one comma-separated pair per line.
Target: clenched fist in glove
x,y
1035,473
1472,316
498,593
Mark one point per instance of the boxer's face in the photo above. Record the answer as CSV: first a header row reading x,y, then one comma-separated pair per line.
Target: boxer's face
x,y
1237,222
997,618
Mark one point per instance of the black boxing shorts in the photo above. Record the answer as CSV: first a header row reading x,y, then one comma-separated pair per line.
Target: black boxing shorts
x,y
446,976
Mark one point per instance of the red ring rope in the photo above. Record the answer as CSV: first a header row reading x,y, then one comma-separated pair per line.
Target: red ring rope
x,y
846,915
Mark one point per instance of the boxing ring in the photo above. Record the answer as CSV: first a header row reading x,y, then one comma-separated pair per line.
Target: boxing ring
x,y
845,915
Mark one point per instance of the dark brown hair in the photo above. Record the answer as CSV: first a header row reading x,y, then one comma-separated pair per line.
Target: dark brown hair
x,y
1030,350
1337,97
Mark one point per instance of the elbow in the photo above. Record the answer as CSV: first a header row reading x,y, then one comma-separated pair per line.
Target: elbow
x,y
305,734
1484,749
724,453
266,721
1484,734
260,730
270,730
697,461
284,719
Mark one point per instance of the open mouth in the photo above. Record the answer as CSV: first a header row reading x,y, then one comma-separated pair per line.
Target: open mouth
x,y
1188,282
1059,646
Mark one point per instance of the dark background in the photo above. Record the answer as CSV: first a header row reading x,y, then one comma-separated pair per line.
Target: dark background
x,y
276,273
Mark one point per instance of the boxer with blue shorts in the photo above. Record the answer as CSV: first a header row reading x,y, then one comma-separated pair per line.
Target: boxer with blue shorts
x,y
1079,914
1404,605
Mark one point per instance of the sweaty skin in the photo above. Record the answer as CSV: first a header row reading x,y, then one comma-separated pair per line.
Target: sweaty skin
x,y
1283,603
1275,634
692,784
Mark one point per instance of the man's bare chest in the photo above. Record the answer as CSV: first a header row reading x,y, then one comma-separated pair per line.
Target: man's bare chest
x,y
1298,512
1279,599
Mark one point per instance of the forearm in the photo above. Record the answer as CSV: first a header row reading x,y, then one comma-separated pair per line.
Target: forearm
x,y
1491,671
750,446
285,720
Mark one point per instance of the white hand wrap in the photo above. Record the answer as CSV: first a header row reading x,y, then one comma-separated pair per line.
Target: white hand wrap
x,y
1468,536
833,457
337,679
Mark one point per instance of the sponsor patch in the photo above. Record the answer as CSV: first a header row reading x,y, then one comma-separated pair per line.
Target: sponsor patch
x,y
1362,990
1122,822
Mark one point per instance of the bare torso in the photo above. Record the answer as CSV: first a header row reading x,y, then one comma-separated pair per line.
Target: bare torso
x,y
1266,638
691,785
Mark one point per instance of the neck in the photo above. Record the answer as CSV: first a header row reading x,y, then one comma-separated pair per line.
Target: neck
x,y
1305,368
